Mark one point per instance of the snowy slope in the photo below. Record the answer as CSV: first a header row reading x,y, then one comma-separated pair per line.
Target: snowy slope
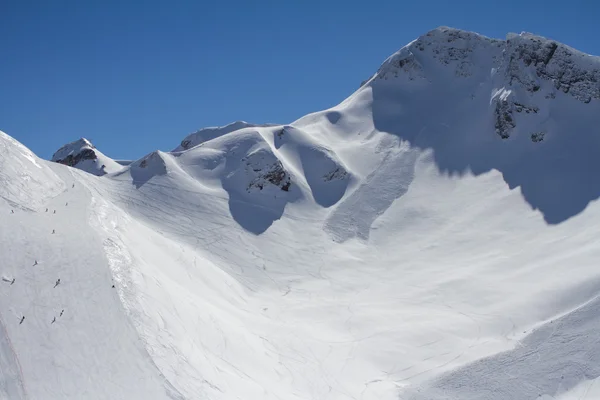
x,y
84,155
206,134
434,236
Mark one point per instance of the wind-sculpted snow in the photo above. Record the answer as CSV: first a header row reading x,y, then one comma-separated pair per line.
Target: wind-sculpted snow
x,y
374,250
257,183
390,180
327,177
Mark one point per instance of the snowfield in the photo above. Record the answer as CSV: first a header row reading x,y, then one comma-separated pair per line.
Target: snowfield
x,y
434,236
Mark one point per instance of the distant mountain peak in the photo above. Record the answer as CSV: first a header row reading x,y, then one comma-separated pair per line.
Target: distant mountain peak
x,y
72,153
82,154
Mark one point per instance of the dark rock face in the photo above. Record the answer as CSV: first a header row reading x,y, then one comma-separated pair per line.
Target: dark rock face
x,y
505,122
274,174
526,68
338,173
73,159
186,144
518,107
537,137
556,63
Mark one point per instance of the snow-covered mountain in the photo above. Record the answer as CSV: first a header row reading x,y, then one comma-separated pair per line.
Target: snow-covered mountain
x,y
84,155
434,236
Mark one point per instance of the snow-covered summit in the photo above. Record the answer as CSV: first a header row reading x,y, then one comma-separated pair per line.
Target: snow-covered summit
x,y
83,154
525,60
209,133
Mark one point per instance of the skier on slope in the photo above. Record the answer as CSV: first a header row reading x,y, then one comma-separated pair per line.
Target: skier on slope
x,y
61,313
13,281
57,283
35,262
22,319
53,320
53,231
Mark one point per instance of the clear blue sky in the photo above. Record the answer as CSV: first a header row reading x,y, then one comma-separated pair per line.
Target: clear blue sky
x,y
134,76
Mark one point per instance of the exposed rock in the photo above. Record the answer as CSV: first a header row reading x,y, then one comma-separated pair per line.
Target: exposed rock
x,y
273,174
569,70
504,120
537,137
521,107
525,59
73,153
403,62
338,173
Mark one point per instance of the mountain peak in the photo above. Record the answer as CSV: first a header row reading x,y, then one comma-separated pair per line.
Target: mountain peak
x,y
82,154
71,153
526,60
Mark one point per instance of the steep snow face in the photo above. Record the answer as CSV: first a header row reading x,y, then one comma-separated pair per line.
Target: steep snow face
x,y
325,174
83,155
448,90
416,241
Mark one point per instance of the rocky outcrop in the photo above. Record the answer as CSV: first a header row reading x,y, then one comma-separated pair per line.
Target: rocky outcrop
x,y
529,69
401,63
505,122
83,155
533,58
537,137
266,173
73,153
337,174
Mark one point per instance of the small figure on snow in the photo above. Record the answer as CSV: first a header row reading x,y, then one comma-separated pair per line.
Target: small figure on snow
x,y
66,204
57,283
22,319
53,320
54,212
73,186
46,210
13,281
53,231
12,211
35,263
61,313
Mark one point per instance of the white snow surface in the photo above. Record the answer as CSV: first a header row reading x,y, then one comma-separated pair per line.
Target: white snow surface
x,y
435,236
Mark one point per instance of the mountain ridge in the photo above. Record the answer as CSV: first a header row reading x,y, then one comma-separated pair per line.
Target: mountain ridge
x,y
414,241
